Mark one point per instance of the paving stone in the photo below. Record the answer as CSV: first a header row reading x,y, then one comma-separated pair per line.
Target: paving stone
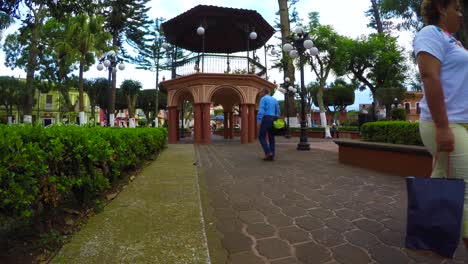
x,y
312,253
279,220
245,258
328,237
236,242
392,238
351,254
294,211
369,225
293,234
339,224
330,204
394,225
273,248
223,213
314,196
294,196
309,223
388,255
260,230
251,217
426,257
244,206
268,209
283,202
321,213
374,214
229,225
362,238
290,260
347,214
307,204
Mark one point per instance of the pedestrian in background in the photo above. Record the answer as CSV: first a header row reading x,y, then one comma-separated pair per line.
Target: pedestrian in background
x,y
268,112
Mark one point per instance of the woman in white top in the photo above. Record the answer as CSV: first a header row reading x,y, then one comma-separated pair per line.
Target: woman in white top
x,y
443,65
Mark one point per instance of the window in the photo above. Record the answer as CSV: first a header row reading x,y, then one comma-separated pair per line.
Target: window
x,y
48,105
418,110
407,107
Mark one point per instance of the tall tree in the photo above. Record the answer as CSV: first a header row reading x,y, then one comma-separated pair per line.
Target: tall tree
x,y
151,56
127,22
375,61
86,36
11,94
131,89
327,41
286,63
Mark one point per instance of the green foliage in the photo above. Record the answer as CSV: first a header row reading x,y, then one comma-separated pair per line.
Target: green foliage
x,y
44,165
395,132
399,114
51,240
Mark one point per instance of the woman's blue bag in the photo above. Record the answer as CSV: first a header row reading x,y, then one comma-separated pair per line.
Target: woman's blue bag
x,y
435,211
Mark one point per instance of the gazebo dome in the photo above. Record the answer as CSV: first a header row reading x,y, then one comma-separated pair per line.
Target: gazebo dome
x,y
227,30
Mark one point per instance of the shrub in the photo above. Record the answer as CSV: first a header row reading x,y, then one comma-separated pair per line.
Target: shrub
x,y
398,114
395,132
40,166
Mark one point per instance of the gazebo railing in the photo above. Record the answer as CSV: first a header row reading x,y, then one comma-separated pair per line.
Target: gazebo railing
x,y
214,63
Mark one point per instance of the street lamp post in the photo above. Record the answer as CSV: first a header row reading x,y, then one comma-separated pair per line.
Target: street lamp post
x,y
297,49
287,90
110,60
395,101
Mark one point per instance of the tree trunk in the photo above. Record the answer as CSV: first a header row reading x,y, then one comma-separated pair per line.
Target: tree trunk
x,y
81,92
31,67
378,20
288,64
323,116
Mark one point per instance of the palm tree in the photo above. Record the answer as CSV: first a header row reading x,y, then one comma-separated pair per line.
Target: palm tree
x,y
131,89
87,37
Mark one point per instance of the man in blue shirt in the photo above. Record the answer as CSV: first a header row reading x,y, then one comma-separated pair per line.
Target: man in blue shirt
x,y
268,112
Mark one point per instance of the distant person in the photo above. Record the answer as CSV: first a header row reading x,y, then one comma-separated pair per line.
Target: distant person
x,y
334,130
268,112
443,66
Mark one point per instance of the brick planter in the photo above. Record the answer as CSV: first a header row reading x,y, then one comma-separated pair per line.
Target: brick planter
x,y
403,160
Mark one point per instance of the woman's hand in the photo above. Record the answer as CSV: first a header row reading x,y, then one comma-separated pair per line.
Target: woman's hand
x,y
445,140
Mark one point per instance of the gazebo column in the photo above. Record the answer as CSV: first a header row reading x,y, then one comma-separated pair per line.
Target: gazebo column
x,y
172,124
226,125
178,125
245,124
257,129
206,123
252,123
231,125
198,126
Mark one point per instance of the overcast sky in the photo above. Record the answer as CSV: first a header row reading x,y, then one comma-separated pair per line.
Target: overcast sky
x,y
347,18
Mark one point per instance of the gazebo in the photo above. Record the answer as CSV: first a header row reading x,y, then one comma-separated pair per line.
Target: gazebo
x,y
233,81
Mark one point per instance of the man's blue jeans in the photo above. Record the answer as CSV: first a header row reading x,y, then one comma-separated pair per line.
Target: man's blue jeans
x,y
266,127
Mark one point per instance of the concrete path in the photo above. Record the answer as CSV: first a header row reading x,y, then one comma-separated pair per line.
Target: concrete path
x,y
305,207
156,219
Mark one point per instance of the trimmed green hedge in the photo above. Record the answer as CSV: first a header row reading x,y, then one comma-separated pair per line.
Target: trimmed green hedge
x,y
40,166
395,132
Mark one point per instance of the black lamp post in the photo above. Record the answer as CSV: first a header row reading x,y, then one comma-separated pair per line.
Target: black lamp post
x,y
287,89
395,101
300,44
110,60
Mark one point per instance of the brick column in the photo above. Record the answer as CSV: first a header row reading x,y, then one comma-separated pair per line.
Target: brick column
x,y
256,124
245,124
198,126
172,124
206,123
231,125
252,123
226,125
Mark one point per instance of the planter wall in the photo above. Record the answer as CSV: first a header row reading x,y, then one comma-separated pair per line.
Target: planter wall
x,y
396,159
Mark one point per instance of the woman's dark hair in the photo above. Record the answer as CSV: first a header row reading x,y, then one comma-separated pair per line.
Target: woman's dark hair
x,y
266,91
430,10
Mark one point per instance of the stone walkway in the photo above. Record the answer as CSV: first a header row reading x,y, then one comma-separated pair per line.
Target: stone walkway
x,y
305,207
155,219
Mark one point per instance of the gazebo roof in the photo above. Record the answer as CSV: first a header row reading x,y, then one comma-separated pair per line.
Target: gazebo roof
x,y
226,29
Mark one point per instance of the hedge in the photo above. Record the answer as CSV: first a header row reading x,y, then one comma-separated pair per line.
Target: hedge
x,y
40,167
395,132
